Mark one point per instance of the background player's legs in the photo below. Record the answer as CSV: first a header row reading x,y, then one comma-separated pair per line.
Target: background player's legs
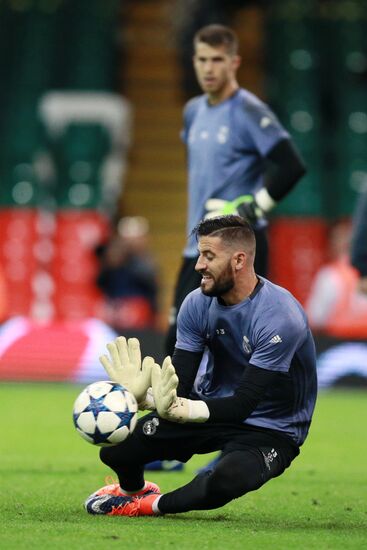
x,y
188,280
236,474
262,252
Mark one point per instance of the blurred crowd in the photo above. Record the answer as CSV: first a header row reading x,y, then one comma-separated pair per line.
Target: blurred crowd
x,y
128,276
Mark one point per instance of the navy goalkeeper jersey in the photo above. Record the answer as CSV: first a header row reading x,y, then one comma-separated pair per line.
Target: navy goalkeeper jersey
x,y
268,330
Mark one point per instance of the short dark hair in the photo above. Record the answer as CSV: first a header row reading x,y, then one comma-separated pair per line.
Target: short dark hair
x,y
218,35
231,229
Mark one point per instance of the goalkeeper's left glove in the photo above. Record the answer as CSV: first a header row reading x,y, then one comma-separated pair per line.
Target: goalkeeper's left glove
x,y
251,207
169,406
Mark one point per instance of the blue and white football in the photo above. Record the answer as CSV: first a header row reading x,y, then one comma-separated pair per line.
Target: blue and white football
x,y
105,413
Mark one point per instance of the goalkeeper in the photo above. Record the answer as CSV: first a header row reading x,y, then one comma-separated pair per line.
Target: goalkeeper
x,y
251,397
239,157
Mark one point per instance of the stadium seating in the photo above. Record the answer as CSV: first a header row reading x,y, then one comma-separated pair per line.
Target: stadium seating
x,y
317,89
58,164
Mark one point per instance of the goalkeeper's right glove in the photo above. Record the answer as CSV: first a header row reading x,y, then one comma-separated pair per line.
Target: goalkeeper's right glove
x,y
125,367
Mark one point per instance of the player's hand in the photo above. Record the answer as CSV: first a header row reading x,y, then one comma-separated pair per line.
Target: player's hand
x,y
168,404
244,206
164,386
250,210
124,366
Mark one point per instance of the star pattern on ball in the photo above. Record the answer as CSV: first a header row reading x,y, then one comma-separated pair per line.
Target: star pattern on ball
x,y
103,418
98,437
96,406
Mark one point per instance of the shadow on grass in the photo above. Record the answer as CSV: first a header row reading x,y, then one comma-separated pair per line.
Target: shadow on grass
x,y
72,513
269,524
230,519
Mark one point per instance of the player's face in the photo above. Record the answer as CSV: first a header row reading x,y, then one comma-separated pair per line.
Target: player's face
x,y
215,69
215,266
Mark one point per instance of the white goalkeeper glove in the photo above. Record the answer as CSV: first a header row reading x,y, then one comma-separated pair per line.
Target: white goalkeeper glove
x,y
169,406
251,207
124,366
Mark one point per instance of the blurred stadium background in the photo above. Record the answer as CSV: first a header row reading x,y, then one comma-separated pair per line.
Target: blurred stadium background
x,y
91,103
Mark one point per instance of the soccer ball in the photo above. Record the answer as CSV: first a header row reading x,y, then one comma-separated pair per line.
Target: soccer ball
x,y
105,413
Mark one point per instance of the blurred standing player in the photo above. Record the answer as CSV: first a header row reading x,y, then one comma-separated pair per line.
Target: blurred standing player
x,y
254,400
359,242
240,159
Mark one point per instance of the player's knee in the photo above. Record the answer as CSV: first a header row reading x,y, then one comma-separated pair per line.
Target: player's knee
x,y
119,456
223,485
109,456
105,455
236,475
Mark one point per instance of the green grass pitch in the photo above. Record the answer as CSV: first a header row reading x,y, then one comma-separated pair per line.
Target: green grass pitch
x,y
47,470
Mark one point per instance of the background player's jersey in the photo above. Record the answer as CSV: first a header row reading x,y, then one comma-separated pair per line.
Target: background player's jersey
x,y
268,330
226,145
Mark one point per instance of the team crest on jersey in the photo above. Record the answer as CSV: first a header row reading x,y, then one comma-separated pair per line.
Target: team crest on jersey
x,y
246,345
150,426
223,133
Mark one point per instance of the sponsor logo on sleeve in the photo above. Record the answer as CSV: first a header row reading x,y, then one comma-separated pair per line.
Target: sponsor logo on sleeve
x,y
276,339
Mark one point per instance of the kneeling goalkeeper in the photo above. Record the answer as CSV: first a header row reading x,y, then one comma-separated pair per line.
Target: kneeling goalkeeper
x,y
242,380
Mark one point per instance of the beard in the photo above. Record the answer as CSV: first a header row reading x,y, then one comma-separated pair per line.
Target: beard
x,y
222,285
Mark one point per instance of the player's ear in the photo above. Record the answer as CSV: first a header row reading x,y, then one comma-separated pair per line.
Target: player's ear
x,y
239,260
236,62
